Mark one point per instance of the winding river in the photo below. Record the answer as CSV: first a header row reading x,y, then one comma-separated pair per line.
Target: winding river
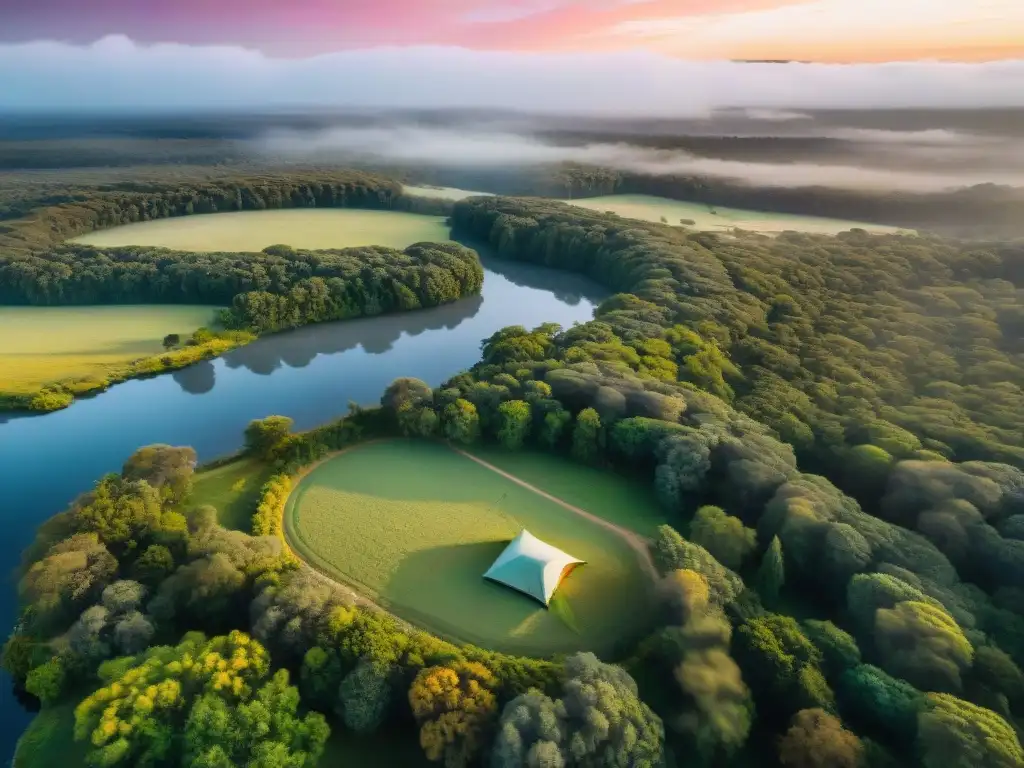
x,y
310,375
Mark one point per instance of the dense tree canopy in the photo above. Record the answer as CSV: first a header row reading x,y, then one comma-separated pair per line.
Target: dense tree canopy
x,y
597,720
833,341
202,702
816,739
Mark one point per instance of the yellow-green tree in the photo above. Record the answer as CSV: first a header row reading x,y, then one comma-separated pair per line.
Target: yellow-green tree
x,y
922,643
513,423
586,436
952,733
206,699
724,536
461,422
453,705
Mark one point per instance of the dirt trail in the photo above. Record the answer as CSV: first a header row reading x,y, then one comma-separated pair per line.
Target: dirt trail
x,y
635,540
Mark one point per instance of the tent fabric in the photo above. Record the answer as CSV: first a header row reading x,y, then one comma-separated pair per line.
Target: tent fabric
x,y
532,567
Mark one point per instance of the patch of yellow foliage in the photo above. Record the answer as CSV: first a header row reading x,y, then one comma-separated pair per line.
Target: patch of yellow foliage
x,y
160,685
453,705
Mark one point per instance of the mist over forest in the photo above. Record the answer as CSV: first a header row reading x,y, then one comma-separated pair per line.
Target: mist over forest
x,y
957,170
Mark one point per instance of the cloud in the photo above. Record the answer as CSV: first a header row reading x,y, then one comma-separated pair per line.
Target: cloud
x,y
469,148
116,73
839,30
775,115
940,137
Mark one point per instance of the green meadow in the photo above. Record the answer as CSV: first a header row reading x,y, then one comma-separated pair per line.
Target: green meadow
x,y
40,345
414,525
712,218
297,227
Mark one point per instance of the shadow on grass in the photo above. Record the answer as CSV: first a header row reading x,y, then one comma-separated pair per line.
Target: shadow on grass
x,y
234,489
443,589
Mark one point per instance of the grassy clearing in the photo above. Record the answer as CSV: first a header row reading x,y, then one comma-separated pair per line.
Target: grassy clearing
x,y
625,502
415,525
297,227
233,489
41,345
49,740
649,208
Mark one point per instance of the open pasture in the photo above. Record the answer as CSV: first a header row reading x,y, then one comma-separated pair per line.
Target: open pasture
x,y
40,345
414,525
626,502
297,227
715,218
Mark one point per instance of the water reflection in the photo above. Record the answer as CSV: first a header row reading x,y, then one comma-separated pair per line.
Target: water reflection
x,y
197,379
567,287
376,335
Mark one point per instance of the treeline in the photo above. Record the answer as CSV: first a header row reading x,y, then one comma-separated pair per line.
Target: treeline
x,y
856,349
84,209
279,287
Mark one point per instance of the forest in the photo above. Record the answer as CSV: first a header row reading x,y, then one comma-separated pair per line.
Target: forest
x,y
274,289
797,628
833,425
908,346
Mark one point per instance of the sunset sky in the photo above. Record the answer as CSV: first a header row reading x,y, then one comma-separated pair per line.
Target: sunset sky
x,y
819,30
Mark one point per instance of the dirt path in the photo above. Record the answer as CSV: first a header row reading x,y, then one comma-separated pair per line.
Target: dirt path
x,y
635,540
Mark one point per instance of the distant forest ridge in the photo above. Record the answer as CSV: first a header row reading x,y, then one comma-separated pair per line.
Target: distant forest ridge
x,y
113,151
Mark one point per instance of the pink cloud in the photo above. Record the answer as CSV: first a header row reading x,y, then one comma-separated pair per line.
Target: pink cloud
x,y
318,26
301,28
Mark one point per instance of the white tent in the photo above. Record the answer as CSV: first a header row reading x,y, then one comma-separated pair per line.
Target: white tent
x,y
532,567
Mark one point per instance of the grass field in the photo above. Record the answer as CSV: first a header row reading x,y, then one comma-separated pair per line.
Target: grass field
x,y
233,489
297,227
648,208
414,525
627,503
40,345
49,740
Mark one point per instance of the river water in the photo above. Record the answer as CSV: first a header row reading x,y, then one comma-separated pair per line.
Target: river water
x,y
310,375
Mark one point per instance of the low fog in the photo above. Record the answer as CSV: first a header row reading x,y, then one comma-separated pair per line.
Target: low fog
x,y
999,161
